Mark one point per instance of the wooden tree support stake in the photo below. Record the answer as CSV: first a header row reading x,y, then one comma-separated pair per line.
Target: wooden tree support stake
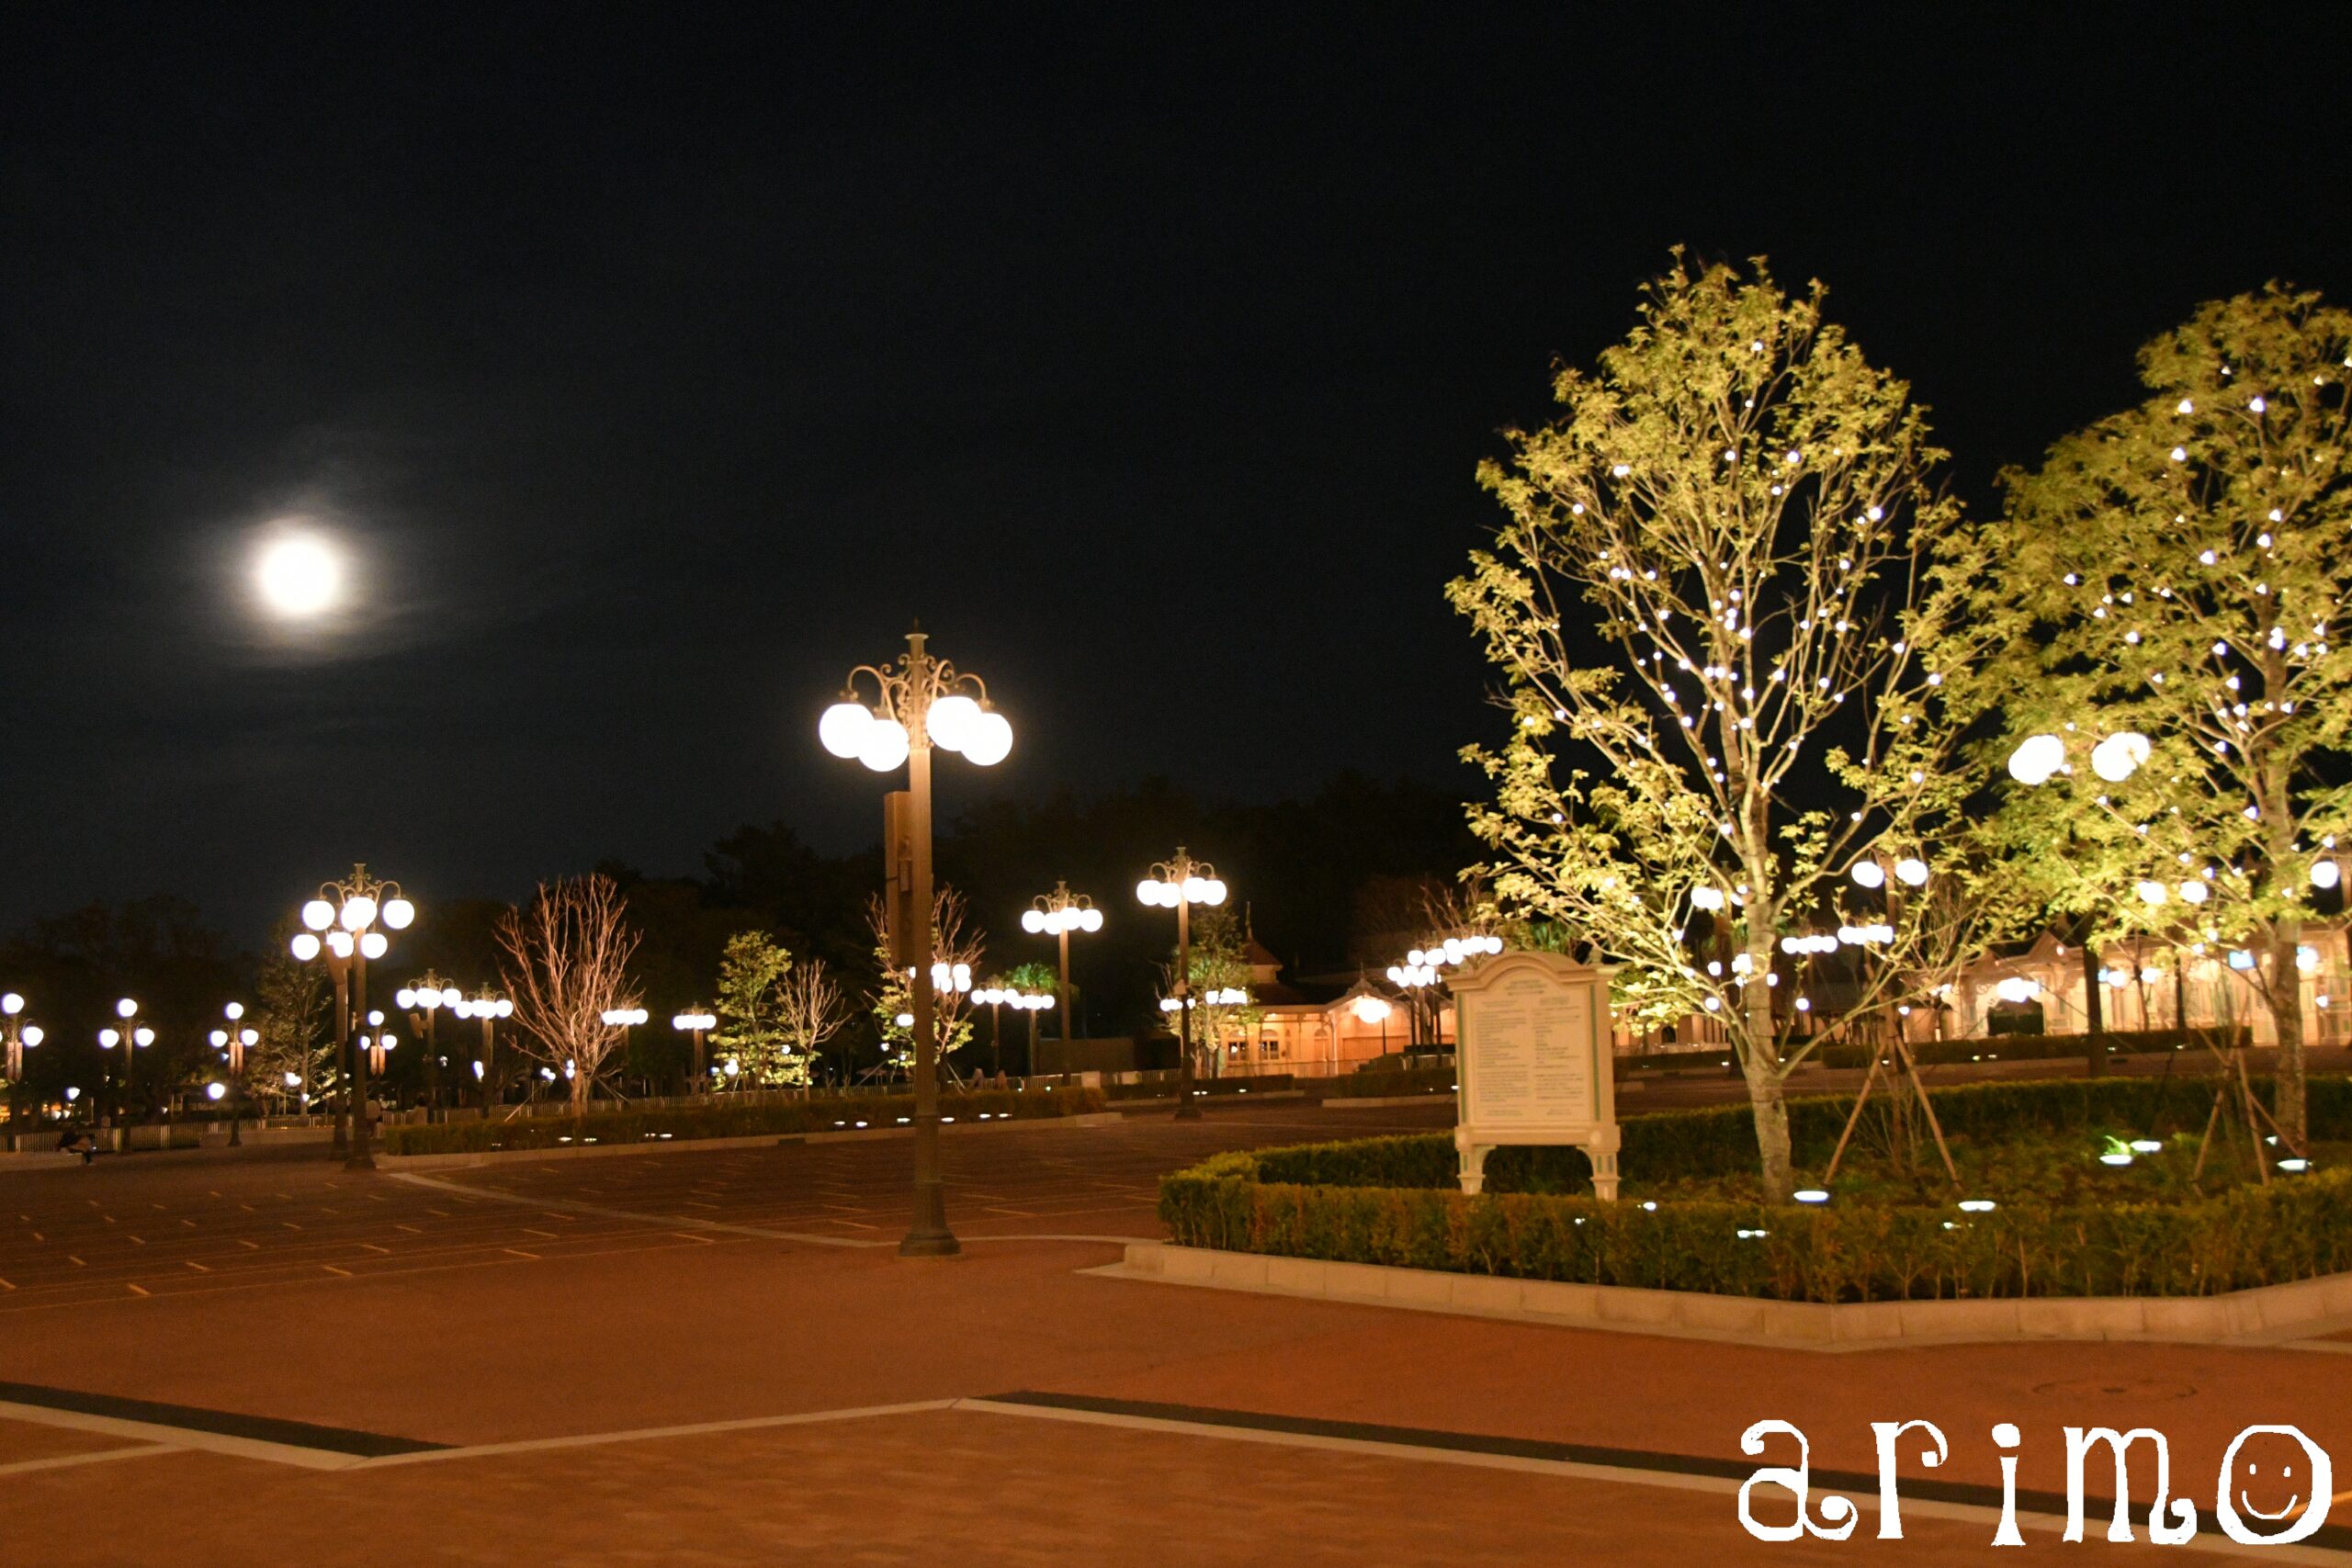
x,y
1903,1074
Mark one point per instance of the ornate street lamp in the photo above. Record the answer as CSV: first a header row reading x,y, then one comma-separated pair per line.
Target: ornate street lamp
x,y
1178,884
695,1021
489,1007
624,1020
128,1036
376,1041
341,928
422,1002
1414,978
234,1040
996,998
1058,913
920,701
1423,971
20,1037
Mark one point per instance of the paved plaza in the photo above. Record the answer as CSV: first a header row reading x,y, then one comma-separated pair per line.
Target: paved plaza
x,y
715,1357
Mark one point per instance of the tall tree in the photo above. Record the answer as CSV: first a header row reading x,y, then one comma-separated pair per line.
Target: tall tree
x,y
953,945
811,1010
1223,1008
2189,561
566,965
1723,657
752,972
293,1008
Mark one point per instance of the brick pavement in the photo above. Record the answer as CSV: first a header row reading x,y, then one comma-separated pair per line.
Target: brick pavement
x,y
920,1488
580,1300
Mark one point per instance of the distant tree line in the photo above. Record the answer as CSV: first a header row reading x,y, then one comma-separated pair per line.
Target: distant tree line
x,y
1331,884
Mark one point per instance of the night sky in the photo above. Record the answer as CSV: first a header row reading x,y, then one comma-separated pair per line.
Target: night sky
x,y
659,364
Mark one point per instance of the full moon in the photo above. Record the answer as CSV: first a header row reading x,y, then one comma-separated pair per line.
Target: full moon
x,y
298,575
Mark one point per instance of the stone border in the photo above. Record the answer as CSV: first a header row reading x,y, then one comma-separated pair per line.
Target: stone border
x,y
461,1159
2271,1315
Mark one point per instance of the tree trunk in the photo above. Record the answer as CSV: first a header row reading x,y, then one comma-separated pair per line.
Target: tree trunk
x,y
1766,1090
2287,1018
580,1085
1765,1098
2094,1014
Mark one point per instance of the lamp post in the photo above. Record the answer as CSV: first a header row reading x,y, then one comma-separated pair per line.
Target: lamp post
x,y
1414,978
1886,876
489,1007
1179,883
234,1040
695,1021
1058,913
19,1036
128,1036
341,926
919,701
1422,971
376,1041
993,997
997,997
624,1020
2115,758
422,1001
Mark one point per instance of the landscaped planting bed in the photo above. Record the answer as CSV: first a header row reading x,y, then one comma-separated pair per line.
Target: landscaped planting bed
x,y
2062,1223
819,1113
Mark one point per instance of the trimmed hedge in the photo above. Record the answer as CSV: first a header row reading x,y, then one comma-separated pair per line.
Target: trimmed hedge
x,y
1377,1085
2037,1047
1164,1086
824,1113
1392,1200
1676,1062
1719,1140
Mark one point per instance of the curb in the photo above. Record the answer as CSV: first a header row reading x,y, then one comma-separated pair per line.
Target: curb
x,y
2270,1314
462,1160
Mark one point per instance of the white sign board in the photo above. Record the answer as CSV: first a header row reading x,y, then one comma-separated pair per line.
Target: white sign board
x,y
1533,1062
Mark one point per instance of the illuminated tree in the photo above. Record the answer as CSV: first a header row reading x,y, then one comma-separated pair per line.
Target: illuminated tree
x,y
293,1013
2190,562
565,963
1725,605
893,1002
1223,1008
752,972
809,1011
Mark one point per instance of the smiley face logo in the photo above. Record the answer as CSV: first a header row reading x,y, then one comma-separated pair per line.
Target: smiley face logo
x,y
2253,1483
2269,1476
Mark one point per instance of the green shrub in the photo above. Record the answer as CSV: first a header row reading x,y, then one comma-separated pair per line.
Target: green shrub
x,y
1719,1140
821,1113
1394,1201
2041,1047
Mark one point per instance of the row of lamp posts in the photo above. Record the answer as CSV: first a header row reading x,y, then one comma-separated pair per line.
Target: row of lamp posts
x,y
920,701
342,931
